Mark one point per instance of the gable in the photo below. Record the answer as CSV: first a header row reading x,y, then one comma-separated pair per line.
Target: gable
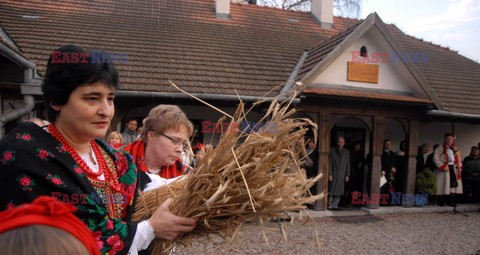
x,y
393,75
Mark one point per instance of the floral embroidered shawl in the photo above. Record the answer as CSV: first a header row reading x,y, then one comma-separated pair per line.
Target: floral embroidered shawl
x,y
33,163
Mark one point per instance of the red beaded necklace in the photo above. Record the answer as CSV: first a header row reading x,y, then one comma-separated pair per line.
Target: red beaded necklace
x,y
102,163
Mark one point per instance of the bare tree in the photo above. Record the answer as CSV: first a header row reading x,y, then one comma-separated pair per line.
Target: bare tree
x,y
345,8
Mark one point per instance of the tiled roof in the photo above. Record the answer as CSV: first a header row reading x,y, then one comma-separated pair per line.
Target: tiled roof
x,y
365,94
453,77
321,50
183,41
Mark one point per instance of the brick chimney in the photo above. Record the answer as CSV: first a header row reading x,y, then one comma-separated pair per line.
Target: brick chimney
x,y
222,9
322,10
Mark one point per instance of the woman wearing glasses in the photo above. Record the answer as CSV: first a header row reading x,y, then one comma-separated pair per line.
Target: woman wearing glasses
x,y
164,137
66,159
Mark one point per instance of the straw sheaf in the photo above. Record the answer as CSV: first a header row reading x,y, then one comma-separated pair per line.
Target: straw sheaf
x,y
246,177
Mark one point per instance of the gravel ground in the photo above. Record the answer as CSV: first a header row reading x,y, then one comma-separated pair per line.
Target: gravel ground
x,y
412,233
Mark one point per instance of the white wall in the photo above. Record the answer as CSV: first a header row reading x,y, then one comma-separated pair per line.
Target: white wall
x,y
392,76
395,132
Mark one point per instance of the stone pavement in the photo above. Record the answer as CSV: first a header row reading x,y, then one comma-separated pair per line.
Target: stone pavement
x,y
385,210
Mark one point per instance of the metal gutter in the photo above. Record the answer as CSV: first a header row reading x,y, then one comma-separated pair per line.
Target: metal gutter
x,y
147,94
458,115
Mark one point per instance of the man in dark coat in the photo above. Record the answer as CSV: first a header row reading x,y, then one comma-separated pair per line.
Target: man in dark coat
x,y
389,166
357,160
471,176
338,173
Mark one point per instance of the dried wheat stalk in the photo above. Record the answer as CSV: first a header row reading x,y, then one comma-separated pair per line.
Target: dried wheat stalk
x,y
247,177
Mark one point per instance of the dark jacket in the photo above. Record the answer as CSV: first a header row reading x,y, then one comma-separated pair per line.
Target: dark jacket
x,y
388,161
471,169
421,161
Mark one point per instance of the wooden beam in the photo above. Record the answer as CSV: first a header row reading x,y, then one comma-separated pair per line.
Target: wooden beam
x,y
377,147
412,159
324,124
363,111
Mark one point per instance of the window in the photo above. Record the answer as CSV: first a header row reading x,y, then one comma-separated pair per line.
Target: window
x,y
363,51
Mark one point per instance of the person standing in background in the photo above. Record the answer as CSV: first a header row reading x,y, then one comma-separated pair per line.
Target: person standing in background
x,y
471,176
401,159
357,159
422,155
130,133
389,167
312,170
449,167
115,139
338,173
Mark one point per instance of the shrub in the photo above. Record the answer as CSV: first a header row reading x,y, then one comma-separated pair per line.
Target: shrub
x,y
425,182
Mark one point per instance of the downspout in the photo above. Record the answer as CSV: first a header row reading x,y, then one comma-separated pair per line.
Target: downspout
x,y
288,86
17,113
440,113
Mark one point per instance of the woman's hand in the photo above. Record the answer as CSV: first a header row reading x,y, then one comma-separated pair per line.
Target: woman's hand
x,y
167,225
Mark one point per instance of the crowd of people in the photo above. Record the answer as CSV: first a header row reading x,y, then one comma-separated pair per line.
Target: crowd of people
x,y
455,181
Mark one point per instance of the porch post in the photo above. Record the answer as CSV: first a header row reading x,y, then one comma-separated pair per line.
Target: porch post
x,y
324,124
412,160
377,146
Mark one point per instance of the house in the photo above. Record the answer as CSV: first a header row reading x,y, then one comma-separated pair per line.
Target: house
x,y
364,79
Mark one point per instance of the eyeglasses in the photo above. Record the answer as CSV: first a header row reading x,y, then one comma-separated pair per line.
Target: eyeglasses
x,y
177,142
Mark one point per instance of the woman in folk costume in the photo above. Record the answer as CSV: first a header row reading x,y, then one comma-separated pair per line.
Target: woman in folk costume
x,y
67,160
448,173
163,139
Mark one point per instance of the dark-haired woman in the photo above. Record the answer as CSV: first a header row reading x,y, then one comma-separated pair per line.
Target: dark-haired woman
x,y
67,160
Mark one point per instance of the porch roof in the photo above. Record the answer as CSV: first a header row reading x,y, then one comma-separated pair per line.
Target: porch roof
x,y
366,95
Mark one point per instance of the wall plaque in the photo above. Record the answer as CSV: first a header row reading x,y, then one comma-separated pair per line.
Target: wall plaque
x,y
362,72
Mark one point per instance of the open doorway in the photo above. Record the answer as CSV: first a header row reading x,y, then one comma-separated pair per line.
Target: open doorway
x,y
357,135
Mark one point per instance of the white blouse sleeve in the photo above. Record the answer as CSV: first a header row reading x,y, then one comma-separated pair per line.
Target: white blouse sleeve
x,y
143,237
158,181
